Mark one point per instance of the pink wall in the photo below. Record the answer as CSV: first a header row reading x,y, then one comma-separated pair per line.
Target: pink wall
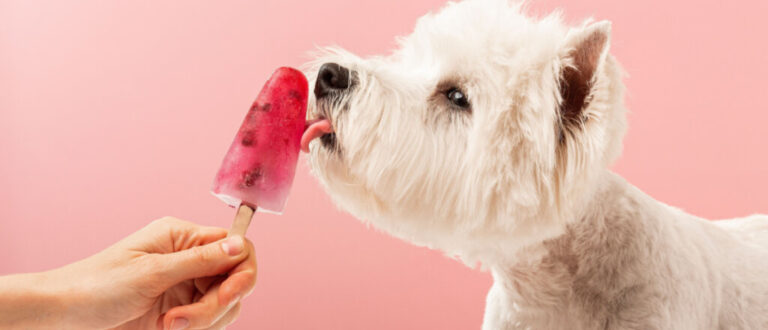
x,y
114,113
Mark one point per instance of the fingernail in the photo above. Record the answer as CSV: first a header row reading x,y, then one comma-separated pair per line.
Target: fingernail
x,y
179,323
233,245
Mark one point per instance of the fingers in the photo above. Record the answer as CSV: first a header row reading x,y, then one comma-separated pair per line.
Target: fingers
x,y
227,319
202,261
170,234
241,279
203,283
219,305
204,314
185,234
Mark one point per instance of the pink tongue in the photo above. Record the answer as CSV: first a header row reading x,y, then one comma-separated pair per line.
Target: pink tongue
x,y
315,129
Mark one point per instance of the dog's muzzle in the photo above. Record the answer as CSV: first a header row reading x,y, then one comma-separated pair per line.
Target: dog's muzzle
x,y
332,78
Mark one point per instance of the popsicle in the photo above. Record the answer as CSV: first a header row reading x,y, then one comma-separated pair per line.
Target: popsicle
x,y
258,169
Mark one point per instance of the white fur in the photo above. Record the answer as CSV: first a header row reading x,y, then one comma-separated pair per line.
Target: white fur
x,y
570,244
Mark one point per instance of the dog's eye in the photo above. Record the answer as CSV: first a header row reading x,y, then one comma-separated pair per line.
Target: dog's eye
x,y
457,97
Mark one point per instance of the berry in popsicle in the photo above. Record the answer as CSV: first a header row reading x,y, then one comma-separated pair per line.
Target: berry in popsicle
x,y
258,169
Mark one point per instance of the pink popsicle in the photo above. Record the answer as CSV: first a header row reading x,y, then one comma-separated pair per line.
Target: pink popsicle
x,y
258,169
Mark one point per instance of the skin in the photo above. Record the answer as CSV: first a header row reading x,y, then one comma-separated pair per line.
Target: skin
x,y
171,274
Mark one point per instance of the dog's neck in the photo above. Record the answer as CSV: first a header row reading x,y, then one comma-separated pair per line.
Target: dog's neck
x,y
587,266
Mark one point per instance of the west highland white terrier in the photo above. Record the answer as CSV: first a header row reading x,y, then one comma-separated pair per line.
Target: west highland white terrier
x,y
488,135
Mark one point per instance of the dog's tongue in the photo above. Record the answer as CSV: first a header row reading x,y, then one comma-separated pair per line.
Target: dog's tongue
x,y
314,129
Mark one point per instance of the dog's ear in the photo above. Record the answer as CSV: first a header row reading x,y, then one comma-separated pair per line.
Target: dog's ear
x,y
586,51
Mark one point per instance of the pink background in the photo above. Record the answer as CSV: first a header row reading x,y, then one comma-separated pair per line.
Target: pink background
x,y
114,113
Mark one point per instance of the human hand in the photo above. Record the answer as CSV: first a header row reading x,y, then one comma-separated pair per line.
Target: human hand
x,y
171,274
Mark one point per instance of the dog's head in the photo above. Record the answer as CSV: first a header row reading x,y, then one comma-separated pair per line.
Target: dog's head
x,y
484,128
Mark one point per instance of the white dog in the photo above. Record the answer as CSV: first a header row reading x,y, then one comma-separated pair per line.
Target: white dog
x,y
488,135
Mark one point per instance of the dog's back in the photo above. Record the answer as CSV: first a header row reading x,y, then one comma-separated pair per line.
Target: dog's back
x,y
743,270
752,229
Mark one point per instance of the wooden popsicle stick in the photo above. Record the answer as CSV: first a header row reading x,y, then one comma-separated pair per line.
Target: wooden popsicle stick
x,y
242,220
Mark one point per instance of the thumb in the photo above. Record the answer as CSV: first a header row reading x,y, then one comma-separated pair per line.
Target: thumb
x,y
204,260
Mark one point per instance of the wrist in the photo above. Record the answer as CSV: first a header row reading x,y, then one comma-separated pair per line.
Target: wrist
x,y
30,301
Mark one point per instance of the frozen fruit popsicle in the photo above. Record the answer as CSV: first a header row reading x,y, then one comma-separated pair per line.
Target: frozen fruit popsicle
x,y
258,169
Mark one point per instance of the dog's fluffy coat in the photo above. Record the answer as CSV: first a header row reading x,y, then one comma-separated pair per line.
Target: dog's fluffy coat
x,y
519,181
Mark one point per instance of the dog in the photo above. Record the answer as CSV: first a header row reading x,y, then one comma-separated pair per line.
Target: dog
x,y
488,135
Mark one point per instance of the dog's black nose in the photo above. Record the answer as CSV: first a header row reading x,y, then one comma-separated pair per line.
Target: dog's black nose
x,y
331,77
